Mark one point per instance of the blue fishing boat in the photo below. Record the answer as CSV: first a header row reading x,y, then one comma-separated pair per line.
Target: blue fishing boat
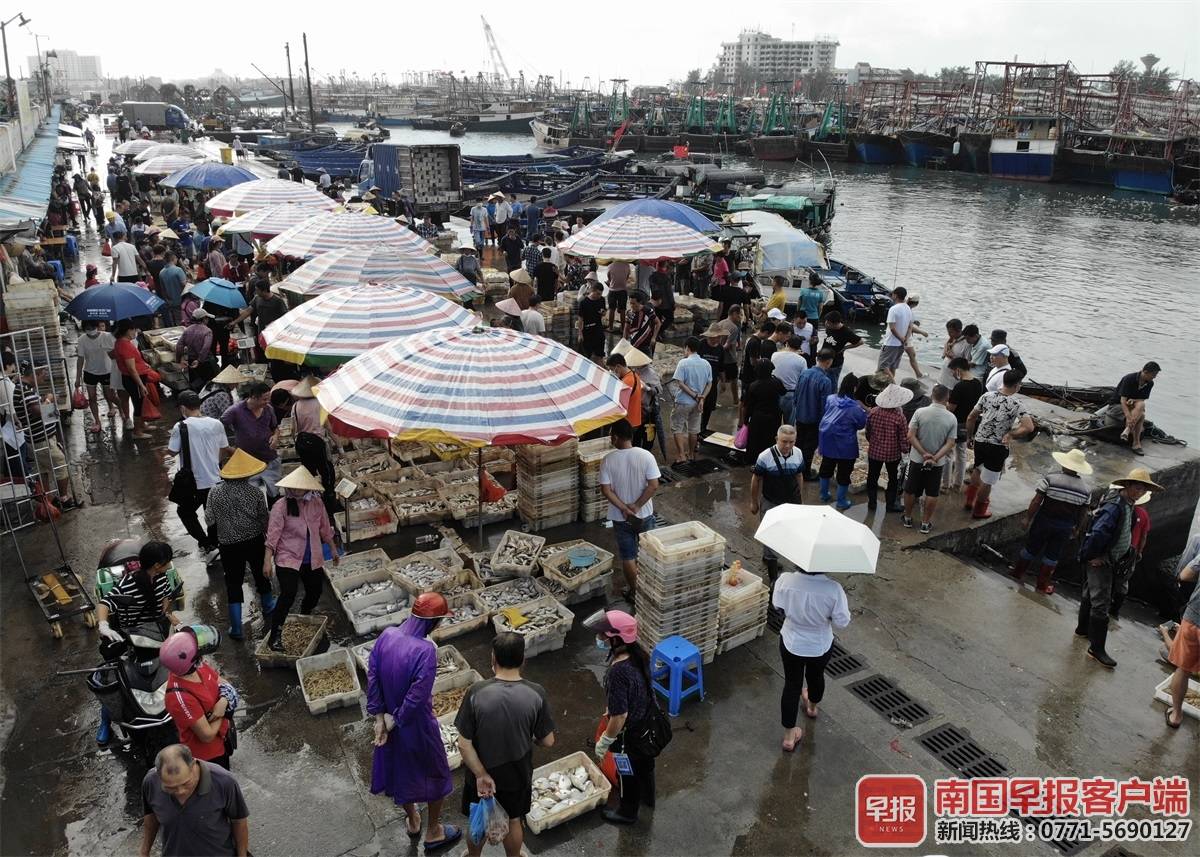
x,y
876,148
1028,129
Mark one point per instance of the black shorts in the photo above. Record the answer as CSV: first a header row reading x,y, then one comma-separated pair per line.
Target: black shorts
x,y
923,480
618,300
990,456
730,372
92,380
514,787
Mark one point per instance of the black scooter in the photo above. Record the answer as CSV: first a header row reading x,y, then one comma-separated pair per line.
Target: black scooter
x,y
131,685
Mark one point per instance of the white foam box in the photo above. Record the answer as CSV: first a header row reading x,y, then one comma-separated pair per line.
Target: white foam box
x,y
1163,694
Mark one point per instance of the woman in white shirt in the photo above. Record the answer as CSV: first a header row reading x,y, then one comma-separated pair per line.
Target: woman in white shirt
x,y
813,605
94,367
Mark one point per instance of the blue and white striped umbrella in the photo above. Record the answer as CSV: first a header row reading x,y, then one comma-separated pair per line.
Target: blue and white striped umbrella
x,y
472,386
637,237
338,230
208,175
260,193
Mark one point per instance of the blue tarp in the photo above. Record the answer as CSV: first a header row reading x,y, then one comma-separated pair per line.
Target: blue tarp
x,y
25,192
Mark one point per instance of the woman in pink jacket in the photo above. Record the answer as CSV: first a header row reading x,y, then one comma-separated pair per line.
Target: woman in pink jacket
x,y
296,529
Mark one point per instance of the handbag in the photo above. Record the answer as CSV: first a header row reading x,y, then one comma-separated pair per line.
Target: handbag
x,y
106,248
650,735
183,486
742,436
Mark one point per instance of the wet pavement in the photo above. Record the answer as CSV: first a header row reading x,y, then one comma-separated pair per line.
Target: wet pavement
x,y
958,637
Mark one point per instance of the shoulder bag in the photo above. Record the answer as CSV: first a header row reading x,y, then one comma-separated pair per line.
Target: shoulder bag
x,y
650,735
183,487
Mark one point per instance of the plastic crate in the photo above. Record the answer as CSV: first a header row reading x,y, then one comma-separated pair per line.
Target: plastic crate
x,y
421,509
679,597
1163,694
681,543
454,682
558,564
362,652
596,799
446,631
546,640
527,569
453,758
592,589
488,591
268,658
383,524
370,624
315,663
450,653
537,524
749,589
724,644
448,580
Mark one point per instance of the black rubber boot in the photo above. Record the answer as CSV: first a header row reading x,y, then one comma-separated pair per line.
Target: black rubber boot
x,y
1114,609
1081,626
1097,636
275,640
772,569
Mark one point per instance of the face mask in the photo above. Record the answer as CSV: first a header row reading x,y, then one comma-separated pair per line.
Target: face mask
x,y
310,495
602,645
93,333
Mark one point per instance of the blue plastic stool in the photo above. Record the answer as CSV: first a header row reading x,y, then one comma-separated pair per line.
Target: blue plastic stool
x,y
679,659
71,248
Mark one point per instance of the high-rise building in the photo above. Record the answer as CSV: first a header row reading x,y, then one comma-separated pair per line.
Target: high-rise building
x,y
69,70
776,58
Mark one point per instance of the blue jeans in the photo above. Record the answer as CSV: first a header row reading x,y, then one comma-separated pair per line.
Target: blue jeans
x,y
1046,539
834,373
627,536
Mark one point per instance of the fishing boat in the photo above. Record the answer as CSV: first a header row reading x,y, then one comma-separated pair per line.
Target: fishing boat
x,y
876,147
1028,129
458,129
974,151
921,146
777,147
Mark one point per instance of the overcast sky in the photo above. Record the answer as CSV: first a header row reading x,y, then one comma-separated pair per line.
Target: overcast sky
x,y
647,42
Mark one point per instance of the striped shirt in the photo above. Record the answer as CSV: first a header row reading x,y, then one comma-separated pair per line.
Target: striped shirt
x,y
1071,490
142,609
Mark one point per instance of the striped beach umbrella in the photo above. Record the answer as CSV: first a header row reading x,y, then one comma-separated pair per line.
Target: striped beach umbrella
x,y
472,386
637,238
249,196
163,165
266,223
388,264
134,147
338,230
158,150
208,175
344,323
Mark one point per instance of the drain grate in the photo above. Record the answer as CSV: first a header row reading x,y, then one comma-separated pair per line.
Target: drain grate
x,y
885,697
956,748
842,662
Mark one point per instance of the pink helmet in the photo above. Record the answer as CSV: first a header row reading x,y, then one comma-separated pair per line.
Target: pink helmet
x,y
179,653
613,623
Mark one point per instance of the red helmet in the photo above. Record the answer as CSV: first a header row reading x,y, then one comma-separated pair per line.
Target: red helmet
x,y
613,623
431,605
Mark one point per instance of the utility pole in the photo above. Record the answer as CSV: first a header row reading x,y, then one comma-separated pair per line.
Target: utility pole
x,y
287,49
14,114
312,114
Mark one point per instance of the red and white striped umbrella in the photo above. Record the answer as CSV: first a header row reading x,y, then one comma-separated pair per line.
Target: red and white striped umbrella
x,y
266,223
637,238
387,264
339,230
158,150
472,386
249,196
164,165
344,323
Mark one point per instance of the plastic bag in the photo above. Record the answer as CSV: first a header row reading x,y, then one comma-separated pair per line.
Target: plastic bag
x,y
488,819
742,436
79,400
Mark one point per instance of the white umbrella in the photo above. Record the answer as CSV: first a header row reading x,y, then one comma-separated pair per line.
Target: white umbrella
x,y
819,539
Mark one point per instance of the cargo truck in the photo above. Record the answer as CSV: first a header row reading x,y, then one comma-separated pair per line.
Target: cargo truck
x,y
156,115
430,176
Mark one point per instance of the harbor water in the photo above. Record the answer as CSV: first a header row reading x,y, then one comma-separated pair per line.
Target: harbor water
x,y
1089,283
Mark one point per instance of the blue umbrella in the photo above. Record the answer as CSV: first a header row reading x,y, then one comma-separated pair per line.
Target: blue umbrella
x,y
208,175
113,302
662,208
214,290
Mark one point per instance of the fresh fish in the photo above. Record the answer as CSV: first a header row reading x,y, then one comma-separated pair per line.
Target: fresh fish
x,y
446,664
368,589
449,738
465,613
510,594
378,611
424,575
538,619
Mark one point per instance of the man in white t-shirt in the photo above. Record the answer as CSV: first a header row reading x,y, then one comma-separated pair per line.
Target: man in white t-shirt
x,y
531,319
628,479
899,328
802,327
93,366
789,363
206,441
126,261
998,357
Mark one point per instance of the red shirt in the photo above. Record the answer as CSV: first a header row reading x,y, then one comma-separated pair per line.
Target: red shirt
x,y
122,351
189,701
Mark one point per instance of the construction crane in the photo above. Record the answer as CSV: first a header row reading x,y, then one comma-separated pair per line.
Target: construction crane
x,y
499,67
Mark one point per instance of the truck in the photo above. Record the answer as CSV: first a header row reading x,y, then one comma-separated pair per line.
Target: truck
x,y
429,175
156,115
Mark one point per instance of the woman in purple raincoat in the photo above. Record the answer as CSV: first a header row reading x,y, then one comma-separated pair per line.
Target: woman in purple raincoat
x,y
410,761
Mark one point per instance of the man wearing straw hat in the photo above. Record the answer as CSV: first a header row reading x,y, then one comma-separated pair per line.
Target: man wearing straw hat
x,y
237,519
1104,548
1055,512
306,412
256,430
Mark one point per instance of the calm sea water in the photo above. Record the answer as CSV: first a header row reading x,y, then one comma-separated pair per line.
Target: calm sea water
x,y
1089,283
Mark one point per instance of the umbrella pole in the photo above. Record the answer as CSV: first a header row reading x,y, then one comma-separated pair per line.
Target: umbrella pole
x,y
479,493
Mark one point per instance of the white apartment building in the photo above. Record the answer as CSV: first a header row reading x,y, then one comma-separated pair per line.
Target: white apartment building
x,y
69,70
776,58
865,71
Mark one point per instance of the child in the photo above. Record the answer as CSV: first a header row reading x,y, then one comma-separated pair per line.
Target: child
x,y
909,348
92,279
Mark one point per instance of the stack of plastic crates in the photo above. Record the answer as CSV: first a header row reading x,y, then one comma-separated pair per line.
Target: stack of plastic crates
x,y
744,598
679,586
592,504
548,484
